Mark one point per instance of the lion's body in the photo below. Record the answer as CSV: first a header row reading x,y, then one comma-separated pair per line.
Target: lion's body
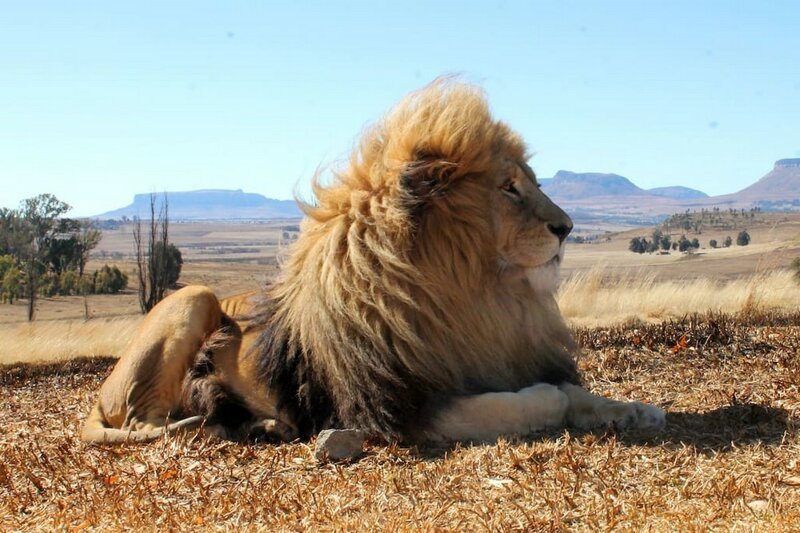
x,y
416,302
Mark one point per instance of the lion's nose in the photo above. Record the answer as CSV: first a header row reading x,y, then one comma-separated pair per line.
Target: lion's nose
x,y
561,230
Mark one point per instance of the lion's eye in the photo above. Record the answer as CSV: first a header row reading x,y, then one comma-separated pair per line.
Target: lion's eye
x,y
509,188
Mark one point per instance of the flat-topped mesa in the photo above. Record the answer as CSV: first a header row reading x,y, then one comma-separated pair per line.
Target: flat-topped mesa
x,y
787,163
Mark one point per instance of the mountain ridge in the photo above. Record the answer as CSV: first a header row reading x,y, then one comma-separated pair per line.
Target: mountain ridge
x,y
209,204
587,195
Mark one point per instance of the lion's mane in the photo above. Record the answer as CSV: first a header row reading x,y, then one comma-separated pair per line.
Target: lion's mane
x,y
391,300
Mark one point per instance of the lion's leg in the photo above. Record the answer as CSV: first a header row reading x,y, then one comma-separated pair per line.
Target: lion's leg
x,y
587,410
143,392
484,417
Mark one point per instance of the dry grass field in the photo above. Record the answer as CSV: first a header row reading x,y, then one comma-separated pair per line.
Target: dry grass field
x,y
728,459
714,338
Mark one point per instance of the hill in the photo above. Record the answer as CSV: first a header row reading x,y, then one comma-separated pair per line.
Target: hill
x,y
778,189
566,185
210,204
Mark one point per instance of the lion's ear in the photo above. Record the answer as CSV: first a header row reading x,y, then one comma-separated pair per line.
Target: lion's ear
x,y
426,178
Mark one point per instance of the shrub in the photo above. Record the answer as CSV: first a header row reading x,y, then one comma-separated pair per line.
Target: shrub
x,y
743,239
109,280
638,245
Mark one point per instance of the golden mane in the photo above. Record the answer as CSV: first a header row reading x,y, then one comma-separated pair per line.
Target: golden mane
x,y
392,297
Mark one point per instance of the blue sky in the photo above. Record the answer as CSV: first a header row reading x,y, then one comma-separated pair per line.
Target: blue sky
x,y
101,100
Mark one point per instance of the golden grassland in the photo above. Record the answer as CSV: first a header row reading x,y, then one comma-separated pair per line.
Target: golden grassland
x,y
594,298
729,457
587,299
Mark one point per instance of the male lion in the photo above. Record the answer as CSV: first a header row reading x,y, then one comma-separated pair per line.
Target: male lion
x,y
416,304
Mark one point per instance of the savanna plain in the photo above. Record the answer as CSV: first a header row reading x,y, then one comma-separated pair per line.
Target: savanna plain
x,y
712,336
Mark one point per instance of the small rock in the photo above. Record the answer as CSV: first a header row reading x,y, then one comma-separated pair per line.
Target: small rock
x,y
338,444
758,506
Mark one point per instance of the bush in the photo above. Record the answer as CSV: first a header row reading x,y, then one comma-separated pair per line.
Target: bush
x,y
712,243
743,239
728,242
173,261
109,280
638,245
86,285
11,284
68,283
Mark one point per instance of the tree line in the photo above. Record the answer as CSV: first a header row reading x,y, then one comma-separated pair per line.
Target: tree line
x,y
45,253
662,241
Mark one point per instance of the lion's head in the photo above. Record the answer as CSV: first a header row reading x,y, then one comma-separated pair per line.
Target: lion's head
x,y
426,269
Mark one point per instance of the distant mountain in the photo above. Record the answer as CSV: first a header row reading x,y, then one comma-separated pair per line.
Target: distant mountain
x,y
677,192
566,185
210,204
781,183
574,186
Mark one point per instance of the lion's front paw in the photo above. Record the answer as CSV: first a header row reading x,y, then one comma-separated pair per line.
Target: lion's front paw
x,y
649,416
271,430
634,415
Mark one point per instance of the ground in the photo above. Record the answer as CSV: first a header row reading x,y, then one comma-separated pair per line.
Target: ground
x,y
729,457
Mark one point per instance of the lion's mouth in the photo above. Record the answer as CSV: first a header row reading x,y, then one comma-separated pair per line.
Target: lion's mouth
x,y
555,261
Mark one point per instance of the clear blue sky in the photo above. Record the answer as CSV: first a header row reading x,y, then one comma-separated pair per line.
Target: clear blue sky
x,y
101,100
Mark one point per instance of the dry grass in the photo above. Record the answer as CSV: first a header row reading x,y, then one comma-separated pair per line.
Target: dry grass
x,y
58,340
597,298
591,299
728,459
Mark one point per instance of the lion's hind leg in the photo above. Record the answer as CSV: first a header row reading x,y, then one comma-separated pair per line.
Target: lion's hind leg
x,y
484,417
141,399
587,411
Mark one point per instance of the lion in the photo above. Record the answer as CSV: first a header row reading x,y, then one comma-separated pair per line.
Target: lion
x,y
417,305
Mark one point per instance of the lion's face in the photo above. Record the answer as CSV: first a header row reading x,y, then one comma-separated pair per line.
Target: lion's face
x,y
529,228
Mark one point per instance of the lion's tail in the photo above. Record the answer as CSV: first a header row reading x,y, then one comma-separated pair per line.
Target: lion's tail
x,y
96,431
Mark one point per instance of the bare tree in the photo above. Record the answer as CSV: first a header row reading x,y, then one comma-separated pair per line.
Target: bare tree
x,y
88,238
151,266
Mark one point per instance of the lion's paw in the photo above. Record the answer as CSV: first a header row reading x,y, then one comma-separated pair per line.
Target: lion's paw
x,y
631,415
649,416
271,430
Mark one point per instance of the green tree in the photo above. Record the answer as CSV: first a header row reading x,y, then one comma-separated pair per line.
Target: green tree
x,y
743,239
39,226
